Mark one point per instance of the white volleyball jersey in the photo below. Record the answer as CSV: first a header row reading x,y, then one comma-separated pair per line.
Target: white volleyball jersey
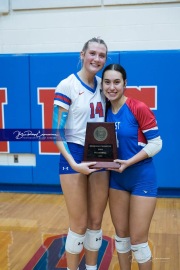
x,y
83,103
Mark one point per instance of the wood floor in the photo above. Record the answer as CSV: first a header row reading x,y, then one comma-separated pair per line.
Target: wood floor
x,y
27,220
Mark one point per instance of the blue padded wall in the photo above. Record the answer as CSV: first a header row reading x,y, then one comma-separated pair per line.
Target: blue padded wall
x,y
30,81
14,76
160,68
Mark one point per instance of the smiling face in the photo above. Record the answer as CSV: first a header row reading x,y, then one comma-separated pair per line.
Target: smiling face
x,y
94,57
113,85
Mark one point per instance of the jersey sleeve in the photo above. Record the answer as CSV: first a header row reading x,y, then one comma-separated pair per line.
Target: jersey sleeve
x,y
146,119
62,95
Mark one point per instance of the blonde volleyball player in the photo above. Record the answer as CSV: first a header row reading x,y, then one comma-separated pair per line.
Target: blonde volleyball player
x,y
78,100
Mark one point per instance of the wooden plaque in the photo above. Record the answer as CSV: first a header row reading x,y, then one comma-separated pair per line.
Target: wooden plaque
x,y
101,145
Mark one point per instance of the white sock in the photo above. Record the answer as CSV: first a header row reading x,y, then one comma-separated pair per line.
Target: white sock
x,y
91,267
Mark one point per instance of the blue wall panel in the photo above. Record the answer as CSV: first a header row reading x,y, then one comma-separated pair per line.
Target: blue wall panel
x,y
14,75
31,80
160,68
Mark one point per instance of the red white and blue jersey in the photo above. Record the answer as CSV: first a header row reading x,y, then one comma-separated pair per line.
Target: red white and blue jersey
x,y
135,124
83,103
